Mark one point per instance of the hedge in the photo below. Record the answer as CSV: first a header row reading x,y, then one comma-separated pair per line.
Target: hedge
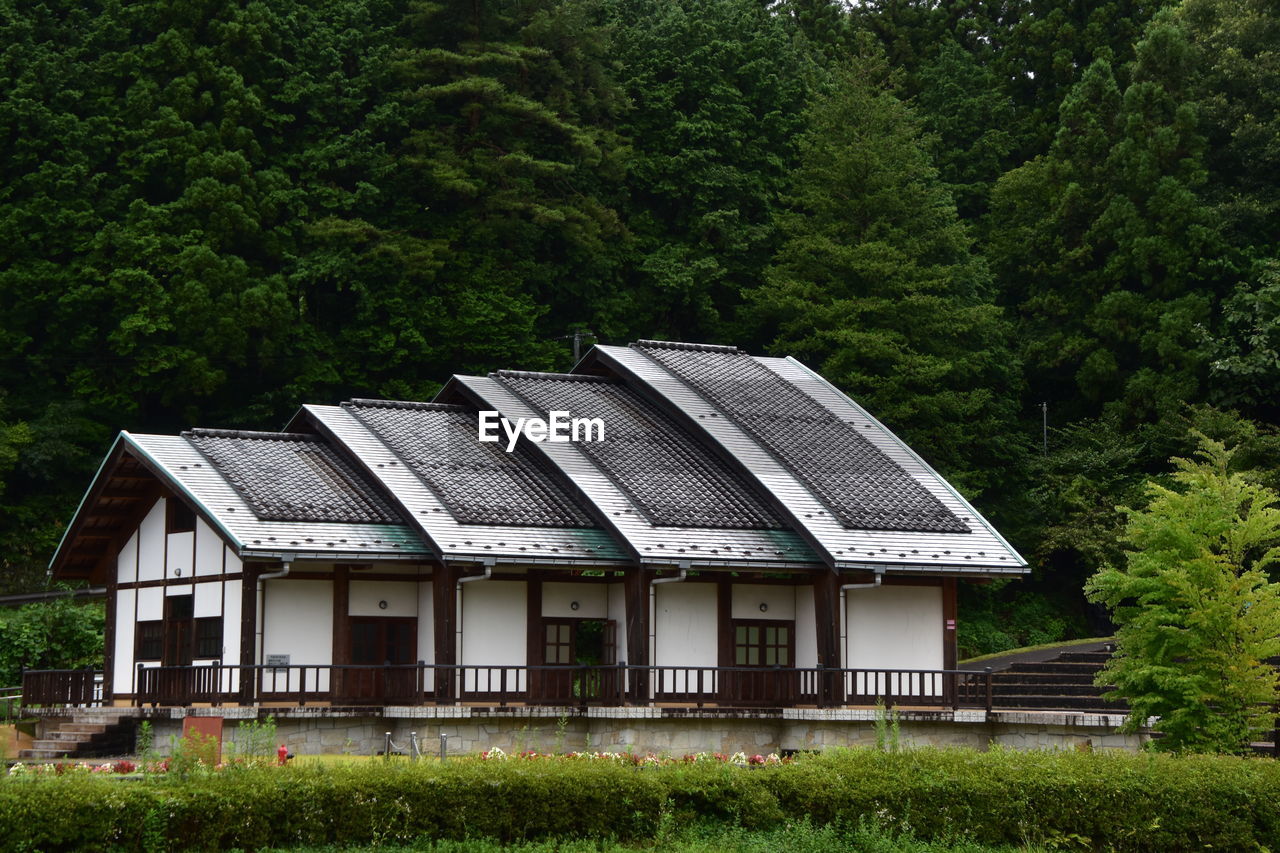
x,y
1101,800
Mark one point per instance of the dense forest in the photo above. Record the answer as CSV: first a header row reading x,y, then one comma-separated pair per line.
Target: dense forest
x,y
1040,239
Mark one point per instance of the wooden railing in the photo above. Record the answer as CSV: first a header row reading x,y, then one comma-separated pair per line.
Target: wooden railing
x,y
620,684
62,687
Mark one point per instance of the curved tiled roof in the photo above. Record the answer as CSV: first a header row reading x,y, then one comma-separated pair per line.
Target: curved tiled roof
x,y
479,483
288,477
862,487
671,478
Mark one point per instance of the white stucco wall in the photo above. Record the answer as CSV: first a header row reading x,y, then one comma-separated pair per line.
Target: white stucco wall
x,y
592,598
150,603
298,621
894,627
209,549
426,630
401,598
180,555
492,630
780,601
617,610
127,561
151,544
806,629
123,673
684,633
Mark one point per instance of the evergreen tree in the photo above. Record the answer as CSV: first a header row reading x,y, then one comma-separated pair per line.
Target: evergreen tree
x,y
1198,617
875,285
1107,247
717,89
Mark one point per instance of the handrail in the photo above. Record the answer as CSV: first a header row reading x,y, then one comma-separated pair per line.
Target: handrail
x,y
562,684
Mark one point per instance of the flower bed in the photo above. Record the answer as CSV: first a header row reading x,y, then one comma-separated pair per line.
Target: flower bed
x,y
647,759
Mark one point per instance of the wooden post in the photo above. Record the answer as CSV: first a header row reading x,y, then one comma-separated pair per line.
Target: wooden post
x,y
949,655
248,631
826,618
444,600
109,641
341,630
636,594
535,639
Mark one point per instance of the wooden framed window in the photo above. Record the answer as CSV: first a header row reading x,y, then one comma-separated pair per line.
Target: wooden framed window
x,y
209,637
383,640
149,640
763,643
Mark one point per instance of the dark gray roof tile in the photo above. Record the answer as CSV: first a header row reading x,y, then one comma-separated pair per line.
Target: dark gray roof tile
x,y
860,485
479,483
288,477
672,478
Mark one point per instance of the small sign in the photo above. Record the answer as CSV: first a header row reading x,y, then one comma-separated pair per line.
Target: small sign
x,y
951,624
278,661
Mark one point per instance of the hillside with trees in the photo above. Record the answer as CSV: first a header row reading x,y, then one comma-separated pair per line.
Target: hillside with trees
x,y
1041,241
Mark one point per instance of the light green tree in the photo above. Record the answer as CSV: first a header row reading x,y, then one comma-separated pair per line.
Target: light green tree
x,y
1197,614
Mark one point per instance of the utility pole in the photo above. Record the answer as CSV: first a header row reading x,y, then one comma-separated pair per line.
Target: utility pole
x,y
1044,428
577,337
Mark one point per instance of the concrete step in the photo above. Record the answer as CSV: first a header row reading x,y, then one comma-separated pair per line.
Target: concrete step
x,y
61,747
84,728
1048,690
1085,657
1062,703
36,754
1054,666
70,737
1047,679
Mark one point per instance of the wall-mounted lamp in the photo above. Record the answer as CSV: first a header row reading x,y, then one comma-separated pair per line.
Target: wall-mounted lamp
x,y
177,573
382,605
764,608
573,605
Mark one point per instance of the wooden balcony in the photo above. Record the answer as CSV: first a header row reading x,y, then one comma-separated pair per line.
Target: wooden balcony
x,y
581,686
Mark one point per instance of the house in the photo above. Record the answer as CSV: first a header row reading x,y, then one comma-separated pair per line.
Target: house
x,y
668,525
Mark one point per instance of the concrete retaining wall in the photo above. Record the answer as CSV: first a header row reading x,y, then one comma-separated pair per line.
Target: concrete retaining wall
x,y
658,730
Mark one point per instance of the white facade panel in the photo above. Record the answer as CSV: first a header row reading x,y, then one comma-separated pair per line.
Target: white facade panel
x,y
123,676
231,630
208,600
180,555
427,631
894,627
151,544
806,629
779,602
684,633
494,619
150,603
233,564
618,613
298,622
127,561
209,549
366,597
179,589
592,600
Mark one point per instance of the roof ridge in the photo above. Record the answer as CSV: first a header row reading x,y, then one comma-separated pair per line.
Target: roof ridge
x,y
369,403
647,344
210,432
555,377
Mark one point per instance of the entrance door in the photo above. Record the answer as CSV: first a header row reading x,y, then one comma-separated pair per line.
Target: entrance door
x,y
577,645
179,629
390,644
765,650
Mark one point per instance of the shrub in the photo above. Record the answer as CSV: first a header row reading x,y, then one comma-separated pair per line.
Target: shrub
x,y
1101,800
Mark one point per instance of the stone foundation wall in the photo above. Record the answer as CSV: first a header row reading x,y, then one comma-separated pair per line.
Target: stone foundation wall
x,y
670,731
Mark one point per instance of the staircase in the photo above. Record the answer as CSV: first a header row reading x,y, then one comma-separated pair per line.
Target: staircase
x,y
88,733
1061,683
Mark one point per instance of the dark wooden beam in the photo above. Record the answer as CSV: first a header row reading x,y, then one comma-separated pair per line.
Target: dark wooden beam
x,y
444,601
248,625
949,610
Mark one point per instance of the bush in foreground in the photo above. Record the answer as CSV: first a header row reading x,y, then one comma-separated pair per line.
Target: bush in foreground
x,y
1101,800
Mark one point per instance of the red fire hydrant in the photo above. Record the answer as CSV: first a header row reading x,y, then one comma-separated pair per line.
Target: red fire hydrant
x,y
282,755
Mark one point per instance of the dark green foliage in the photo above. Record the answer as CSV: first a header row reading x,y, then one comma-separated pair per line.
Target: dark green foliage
x,y
56,634
876,288
717,90
1102,800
